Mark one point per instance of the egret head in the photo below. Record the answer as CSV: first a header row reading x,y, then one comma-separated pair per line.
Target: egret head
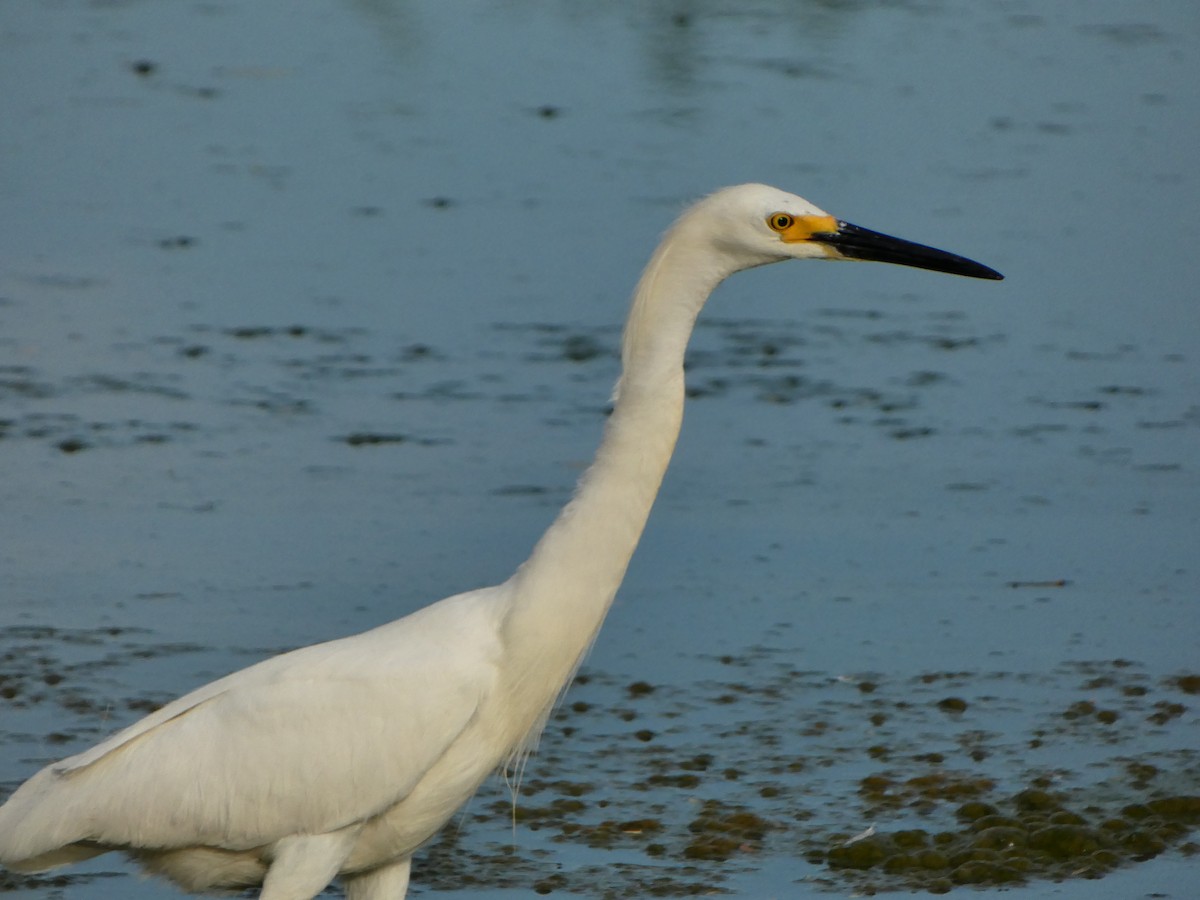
x,y
758,224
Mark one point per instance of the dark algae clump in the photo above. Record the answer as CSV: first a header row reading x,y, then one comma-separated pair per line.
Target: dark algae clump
x,y
1031,835
721,830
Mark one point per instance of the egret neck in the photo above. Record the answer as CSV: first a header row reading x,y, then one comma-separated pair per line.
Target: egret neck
x,y
567,585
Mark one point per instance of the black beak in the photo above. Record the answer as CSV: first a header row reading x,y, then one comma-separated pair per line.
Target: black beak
x,y
854,242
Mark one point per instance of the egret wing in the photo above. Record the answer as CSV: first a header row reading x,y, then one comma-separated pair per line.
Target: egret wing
x,y
306,742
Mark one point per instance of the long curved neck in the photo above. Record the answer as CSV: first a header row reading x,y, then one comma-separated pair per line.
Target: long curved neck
x,y
562,593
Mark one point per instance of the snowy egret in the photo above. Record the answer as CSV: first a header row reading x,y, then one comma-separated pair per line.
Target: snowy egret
x,y
342,758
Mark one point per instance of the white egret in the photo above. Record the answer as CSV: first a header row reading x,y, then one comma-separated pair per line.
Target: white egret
x,y
342,758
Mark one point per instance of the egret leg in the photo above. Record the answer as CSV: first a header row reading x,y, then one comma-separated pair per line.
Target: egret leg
x,y
303,864
384,883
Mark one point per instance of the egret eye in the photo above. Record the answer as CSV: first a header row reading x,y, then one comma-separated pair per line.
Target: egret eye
x,y
780,221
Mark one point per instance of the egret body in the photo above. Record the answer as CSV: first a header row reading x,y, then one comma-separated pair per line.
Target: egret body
x,y
342,758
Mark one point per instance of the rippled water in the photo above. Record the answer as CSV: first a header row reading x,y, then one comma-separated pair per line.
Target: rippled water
x,y
308,316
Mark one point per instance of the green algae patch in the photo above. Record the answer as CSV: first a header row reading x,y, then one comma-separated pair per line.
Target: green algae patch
x,y
721,830
1032,835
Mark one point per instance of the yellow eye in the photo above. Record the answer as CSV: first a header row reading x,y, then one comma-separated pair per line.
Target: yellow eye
x,y
780,221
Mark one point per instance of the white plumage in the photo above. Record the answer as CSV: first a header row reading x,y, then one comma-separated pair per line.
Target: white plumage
x,y
342,758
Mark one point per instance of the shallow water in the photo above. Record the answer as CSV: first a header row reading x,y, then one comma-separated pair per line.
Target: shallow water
x,y
308,317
